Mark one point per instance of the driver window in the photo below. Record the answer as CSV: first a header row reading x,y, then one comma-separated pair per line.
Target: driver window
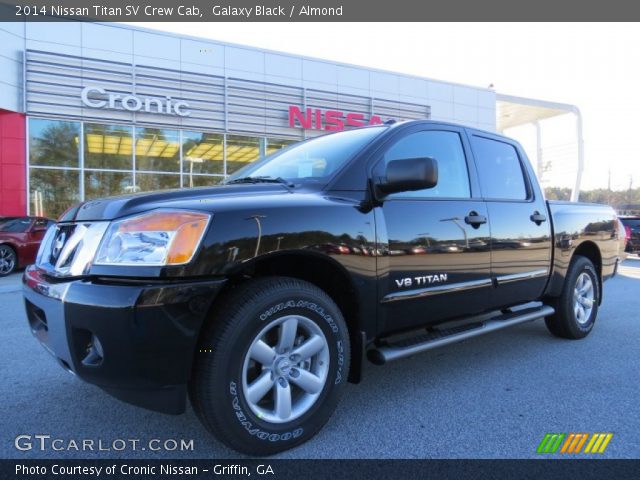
x,y
446,148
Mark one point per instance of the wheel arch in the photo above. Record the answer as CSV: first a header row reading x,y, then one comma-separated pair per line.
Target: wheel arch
x,y
587,249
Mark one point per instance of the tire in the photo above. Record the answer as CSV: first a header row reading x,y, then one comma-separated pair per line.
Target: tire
x,y
8,260
224,385
573,319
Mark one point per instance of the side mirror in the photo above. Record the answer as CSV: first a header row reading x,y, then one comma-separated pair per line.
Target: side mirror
x,y
409,174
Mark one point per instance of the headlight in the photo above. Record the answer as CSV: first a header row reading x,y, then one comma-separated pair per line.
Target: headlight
x,y
157,238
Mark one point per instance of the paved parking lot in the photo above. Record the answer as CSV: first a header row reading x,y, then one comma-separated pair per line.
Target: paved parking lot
x,y
491,397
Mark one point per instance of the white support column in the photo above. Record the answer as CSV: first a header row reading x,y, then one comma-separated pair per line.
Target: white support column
x,y
575,193
539,163
81,152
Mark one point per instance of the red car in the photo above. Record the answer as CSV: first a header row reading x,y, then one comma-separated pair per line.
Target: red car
x,y
20,238
632,227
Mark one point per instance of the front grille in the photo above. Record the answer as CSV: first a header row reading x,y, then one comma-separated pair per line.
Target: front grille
x,y
61,237
68,249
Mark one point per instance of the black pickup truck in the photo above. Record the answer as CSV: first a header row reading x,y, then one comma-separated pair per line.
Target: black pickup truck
x,y
261,297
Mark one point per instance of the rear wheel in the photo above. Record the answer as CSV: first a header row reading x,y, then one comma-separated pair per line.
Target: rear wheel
x,y
271,365
8,260
577,307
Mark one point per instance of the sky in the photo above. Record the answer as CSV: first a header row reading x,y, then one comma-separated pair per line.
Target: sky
x,y
594,66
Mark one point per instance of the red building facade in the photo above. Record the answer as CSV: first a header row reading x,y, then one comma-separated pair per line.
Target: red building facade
x,y
13,164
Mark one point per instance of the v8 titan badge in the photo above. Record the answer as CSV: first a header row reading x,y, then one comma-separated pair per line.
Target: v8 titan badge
x,y
421,280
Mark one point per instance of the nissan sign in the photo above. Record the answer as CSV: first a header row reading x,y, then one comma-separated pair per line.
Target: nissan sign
x,y
330,120
96,97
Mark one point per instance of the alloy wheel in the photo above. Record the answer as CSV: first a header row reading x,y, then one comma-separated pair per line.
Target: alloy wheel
x,y
583,298
285,369
7,260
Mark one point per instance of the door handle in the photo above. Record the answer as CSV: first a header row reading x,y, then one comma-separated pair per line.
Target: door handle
x,y
538,218
474,219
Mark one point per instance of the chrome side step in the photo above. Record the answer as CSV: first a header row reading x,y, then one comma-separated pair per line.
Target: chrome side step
x,y
439,338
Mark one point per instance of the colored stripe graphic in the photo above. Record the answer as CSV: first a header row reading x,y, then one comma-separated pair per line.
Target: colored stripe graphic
x,y
551,442
573,443
543,443
568,443
581,443
606,442
598,442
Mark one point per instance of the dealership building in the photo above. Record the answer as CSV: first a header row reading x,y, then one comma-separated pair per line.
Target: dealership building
x,y
91,109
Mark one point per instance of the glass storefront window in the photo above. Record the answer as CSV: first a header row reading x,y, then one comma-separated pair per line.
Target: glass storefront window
x,y
105,184
204,180
155,181
53,143
108,146
202,153
157,150
51,191
275,144
241,151
120,160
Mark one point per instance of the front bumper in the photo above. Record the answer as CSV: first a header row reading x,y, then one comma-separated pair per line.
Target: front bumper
x,y
135,341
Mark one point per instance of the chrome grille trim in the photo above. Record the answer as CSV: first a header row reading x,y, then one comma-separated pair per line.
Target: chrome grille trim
x,y
78,250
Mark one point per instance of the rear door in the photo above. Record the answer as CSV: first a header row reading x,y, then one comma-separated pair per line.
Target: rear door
x,y
520,227
435,261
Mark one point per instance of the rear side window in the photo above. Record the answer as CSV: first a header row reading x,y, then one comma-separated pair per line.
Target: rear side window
x,y
446,148
499,169
631,222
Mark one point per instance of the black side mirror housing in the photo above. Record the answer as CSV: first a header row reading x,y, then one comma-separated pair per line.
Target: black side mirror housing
x,y
409,174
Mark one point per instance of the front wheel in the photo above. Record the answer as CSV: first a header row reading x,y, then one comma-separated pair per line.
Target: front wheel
x,y
271,365
577,306
8,260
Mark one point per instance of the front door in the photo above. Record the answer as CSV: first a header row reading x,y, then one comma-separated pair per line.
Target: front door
x,y
435,261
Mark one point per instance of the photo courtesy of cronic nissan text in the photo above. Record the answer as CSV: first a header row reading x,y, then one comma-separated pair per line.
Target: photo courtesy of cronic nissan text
x,y
319,240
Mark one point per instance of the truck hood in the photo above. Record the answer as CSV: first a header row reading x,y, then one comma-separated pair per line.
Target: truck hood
x,y
201,198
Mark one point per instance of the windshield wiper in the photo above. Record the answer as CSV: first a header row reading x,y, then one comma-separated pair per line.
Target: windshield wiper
x,y
264,179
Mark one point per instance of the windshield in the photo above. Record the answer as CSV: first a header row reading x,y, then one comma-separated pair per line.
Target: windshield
x,y
314,160
14,225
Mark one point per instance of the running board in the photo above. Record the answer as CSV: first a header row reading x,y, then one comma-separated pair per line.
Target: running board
x,y
439,338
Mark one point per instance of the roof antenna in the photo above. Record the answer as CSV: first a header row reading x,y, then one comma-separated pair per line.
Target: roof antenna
x,y
391,121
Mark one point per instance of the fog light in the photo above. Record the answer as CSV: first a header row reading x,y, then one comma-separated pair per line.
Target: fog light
x,y
95,353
